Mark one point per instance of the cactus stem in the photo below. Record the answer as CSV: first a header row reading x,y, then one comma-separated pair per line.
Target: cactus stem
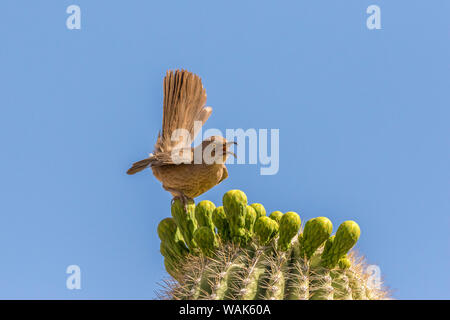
x,y
236,251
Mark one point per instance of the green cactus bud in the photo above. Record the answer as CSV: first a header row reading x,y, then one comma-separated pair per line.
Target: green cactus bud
x,y
276,215
316,231
235,205
344,263
206,240
260,210
203,214
219,218
289,226
266,229
327,248
234,199
185,221
170,235
169,266
166,229
171,260
250,219
164,249
167,251
346,237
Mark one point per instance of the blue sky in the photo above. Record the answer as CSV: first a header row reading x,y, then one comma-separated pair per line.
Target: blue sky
x,y
363,118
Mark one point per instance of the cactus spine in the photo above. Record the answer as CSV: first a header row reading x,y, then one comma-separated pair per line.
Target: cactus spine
x,y
235,251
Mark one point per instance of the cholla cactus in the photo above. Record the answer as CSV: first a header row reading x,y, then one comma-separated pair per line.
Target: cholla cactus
x,y
237,252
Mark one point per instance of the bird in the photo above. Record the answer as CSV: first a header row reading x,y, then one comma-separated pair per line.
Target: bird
x,y
184,171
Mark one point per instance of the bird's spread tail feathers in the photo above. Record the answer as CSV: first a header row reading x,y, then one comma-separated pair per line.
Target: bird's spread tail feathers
x,y
184,103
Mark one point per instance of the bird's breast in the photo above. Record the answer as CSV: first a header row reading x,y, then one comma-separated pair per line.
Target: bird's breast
x,y
191,179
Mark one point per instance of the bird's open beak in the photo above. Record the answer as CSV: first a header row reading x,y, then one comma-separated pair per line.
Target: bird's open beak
x,y
230,143
232,153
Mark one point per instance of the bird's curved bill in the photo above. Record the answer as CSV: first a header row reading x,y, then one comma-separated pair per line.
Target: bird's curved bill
x,y
232,153
230,143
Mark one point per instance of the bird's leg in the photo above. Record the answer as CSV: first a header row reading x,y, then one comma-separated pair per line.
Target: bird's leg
x,y
184,200
179,195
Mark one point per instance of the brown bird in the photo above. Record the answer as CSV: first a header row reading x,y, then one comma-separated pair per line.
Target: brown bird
x,y
203,166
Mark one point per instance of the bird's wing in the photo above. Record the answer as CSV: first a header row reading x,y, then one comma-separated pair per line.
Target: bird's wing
x,y
184,103
224,174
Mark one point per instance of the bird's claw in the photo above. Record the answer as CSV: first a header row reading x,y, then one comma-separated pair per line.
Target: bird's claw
x,y
183,199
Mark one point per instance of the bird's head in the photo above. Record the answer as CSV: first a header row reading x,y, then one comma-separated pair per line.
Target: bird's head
x,y
215,149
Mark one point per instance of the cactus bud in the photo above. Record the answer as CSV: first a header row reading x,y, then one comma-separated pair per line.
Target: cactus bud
x,y
316,231
346,237
170,268
206,240
219,219
185,221
172,246
276,216
203,214
250,219
328,245
166,229
266,229
170,236
260,210
289,226
344,263
235,205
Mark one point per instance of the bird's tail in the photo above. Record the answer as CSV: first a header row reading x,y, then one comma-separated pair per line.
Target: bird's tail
x,y
184,103
139,166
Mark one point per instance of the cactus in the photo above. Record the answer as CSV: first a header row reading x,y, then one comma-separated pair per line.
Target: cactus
x,y
206,240
289,227
203,214
235,251
185,220
235,205
259,208
172,245
276,216
220,220
266,229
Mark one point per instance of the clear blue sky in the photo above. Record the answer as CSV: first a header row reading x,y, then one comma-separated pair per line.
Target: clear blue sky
x,y
363,118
